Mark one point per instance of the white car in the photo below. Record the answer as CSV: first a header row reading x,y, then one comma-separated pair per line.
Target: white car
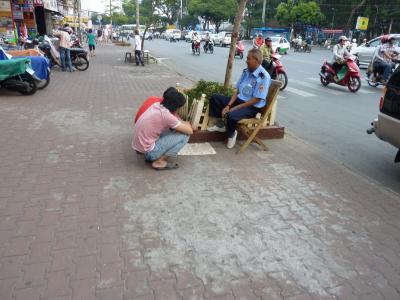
x,y
223,38
188,36
281,43
366,51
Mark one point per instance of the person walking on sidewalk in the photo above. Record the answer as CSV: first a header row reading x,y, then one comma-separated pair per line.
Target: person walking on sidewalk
x,y
65,45
92,42
159,134
248,99
138,48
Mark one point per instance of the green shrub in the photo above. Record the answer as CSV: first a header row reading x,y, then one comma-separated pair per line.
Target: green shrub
x,y
208,88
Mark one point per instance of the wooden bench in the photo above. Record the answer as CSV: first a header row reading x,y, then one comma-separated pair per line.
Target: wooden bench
x,y
251,127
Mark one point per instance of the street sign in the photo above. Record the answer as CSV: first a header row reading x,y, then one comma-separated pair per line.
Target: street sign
x,y
362,23
99,18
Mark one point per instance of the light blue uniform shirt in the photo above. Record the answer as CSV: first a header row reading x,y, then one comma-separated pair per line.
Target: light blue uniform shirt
x,y
254,85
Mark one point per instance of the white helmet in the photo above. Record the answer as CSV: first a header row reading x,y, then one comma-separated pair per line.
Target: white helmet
x,y
342,38
354,41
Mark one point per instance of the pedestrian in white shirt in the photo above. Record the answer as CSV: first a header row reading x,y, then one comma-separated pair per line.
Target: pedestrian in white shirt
x,y
138,48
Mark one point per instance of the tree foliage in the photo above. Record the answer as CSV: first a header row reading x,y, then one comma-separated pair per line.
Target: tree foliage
x,y
213,11
288,13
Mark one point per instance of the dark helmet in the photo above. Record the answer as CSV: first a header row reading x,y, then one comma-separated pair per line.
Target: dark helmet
x,y
385,38
35,42
268,39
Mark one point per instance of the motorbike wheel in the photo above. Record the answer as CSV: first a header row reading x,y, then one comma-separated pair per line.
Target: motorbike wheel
x,y
211,49
32,87
241,55
81,63
371,80
282,77
324,81
354,84
43,83
198,51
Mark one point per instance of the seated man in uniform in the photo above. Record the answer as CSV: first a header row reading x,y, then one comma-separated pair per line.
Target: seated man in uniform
x,y
246,102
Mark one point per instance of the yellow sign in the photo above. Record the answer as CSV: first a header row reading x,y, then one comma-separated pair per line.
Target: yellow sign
x,y
362,23
71,19
171,27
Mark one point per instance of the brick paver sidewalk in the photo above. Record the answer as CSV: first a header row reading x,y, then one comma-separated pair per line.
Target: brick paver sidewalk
x,y
81,217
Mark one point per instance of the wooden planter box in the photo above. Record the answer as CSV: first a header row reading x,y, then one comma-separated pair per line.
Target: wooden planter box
x,y
197,114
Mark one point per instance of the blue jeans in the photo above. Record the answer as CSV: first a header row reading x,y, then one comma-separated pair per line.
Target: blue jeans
x,y
65,57
169,144
219,102
387,69
138,57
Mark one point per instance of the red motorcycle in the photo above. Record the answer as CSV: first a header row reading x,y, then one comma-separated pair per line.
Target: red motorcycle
x,y
239,49
276,70
196,48
351,79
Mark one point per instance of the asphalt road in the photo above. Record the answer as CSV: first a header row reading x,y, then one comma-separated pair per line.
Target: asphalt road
x,y
330,117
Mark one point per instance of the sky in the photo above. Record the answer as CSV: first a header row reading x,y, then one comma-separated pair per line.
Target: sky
x,y
93,5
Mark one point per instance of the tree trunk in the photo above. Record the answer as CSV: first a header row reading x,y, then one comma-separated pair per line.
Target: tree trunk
x,y
235,33
137,15
355,8
144,34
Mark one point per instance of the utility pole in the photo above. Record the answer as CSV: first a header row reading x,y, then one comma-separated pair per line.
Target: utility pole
x,y
137,15
110,13
263,11
79,19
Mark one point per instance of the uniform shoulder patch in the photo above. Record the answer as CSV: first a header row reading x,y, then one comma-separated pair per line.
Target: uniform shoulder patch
x,y
261,75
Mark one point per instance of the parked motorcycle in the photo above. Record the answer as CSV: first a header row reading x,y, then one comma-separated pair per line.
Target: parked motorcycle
x,y
39,64
239,49
17,75
351,79
375,74
196,48
79,56
209,47
276,70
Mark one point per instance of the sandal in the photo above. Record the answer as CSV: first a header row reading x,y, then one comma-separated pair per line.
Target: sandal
x,y
168,166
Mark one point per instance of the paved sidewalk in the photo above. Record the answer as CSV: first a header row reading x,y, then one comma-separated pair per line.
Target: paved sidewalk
x,y
81,217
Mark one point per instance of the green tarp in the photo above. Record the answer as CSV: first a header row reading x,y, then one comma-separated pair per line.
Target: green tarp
x,y
342,72
10,68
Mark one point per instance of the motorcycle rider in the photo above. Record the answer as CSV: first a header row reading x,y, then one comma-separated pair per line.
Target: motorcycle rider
x,y
308,42
195,39
207,40
266,51
354,44
383,57
299,42
339,54
258,42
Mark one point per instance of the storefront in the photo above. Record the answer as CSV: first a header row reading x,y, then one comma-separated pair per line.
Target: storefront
x,y
24,18
7,29
52,15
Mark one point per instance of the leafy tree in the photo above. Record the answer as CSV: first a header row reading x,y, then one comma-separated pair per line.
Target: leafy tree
x,y
253,16
213,11
302,12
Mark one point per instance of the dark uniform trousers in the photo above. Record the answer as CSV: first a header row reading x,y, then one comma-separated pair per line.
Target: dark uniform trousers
x,y
219,102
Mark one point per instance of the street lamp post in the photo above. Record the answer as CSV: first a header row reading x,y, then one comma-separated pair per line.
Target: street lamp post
x,y
333,16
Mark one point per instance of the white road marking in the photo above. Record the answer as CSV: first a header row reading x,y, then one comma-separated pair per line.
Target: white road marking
x,y
315,86
359,91
299,92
